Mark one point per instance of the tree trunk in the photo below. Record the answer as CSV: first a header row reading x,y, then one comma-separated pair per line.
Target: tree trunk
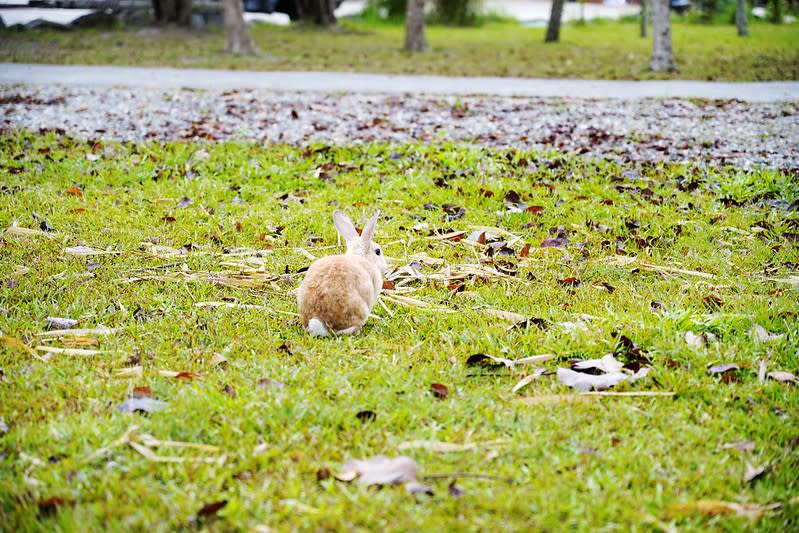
x,y
239,40
318,12
414,27
662,56
644,16
740,18
172,12
553,29
775,13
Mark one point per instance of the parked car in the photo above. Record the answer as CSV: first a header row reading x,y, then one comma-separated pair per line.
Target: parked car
x,y
289,7
680,6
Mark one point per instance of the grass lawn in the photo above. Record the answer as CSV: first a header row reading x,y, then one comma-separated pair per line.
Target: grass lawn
x,y
603,49
655,252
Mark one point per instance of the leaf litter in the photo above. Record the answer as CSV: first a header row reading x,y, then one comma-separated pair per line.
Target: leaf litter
x,y
382,470
612,373
144,443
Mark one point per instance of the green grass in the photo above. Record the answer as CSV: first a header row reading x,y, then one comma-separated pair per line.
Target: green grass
x,y
605,50
612,464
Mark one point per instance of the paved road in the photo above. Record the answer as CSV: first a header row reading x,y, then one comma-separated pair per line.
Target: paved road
x,y
329,82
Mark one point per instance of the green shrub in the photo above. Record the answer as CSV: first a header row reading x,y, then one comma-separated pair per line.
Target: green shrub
x,y
456,12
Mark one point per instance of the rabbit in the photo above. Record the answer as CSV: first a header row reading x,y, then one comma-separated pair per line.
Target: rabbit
x,y
339,291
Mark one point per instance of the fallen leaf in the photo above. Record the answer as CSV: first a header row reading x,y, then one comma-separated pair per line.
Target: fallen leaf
x,y
760,334
184,203
532,321
587,382
132,372
379,470
366,416
87,251
217,360
744,446
13,342
483,359
722,368
753,473
698,340
712,302
84,332
439,391
188,376
607,364
752,511
554,243
454,490
211,509
141,405
388,285
537,373
525,251
141,392
783,377
69,351
54,322
75,191
49,506
414,487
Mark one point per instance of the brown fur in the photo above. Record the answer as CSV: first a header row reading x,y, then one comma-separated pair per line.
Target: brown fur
x,y
339,290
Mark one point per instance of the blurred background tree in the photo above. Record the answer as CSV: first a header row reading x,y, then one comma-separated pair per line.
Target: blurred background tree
x,y
447,12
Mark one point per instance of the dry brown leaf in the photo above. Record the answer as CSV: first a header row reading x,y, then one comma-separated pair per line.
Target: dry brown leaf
x,y
13,342
783,377
77,341
379,470
753,472
537,373
752,511
760,334
99,330
142,443
132,372
623,260
587,382
478,358
218,359
607,364
69,351
744,445
15,231
88,251
697,340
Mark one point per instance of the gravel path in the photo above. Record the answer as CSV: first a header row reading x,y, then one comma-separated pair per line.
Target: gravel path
x,y
715,132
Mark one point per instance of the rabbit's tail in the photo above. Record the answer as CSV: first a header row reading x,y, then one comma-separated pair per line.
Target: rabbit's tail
x,y
317,328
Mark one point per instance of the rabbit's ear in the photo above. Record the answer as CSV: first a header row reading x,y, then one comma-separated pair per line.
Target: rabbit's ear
x,y
369,230
344,226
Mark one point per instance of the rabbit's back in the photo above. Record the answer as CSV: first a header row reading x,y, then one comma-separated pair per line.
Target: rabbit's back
x,y
339,291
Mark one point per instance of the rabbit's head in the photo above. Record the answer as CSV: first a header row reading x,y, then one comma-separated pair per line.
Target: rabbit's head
x,y
360,244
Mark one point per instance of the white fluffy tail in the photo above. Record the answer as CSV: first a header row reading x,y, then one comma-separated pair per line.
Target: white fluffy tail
x,y
317,328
